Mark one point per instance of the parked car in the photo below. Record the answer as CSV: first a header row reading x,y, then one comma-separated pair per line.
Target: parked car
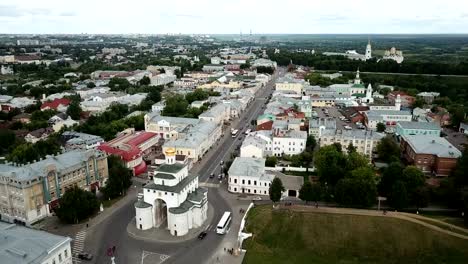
x,y
348,127
211,175
202,235
85,256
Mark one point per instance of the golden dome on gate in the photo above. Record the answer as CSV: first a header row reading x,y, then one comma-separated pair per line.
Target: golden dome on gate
x,y
170,151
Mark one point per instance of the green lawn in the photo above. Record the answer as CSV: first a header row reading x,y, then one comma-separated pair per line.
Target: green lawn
x,y
293,237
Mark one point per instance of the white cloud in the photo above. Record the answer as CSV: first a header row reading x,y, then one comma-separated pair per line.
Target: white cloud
x,y
223,16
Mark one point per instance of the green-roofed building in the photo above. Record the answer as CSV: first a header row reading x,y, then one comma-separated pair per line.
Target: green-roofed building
x,y
172,200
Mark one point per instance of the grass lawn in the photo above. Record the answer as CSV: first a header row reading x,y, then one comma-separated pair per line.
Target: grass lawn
x,y
283,236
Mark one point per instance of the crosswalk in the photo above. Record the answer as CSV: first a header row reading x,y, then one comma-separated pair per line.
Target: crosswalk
x,y
78,245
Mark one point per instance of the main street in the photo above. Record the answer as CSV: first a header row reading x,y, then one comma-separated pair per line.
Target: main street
x,y
112,231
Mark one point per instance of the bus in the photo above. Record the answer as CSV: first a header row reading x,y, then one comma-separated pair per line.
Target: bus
x,y
234,133
224,223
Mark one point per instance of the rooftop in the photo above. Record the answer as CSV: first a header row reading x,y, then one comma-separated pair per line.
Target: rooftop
x,y
19,244
244,166
418,125
176,188
437,146
170,168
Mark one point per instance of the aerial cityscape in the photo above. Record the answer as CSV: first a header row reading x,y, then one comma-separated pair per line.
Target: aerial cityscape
x,y
233,132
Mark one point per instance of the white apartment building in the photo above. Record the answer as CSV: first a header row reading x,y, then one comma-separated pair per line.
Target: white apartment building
x,y
288,83
388,117
365,141
253,147
247,175
162,79
317,126
218,114
290,143
27,245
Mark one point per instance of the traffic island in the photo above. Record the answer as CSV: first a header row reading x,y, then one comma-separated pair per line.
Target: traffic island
x,y
162,235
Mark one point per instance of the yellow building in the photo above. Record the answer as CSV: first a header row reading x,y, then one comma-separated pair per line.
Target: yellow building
x,y
29,192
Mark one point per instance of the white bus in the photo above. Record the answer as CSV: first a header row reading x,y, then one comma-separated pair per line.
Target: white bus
x,y
234,133
224,223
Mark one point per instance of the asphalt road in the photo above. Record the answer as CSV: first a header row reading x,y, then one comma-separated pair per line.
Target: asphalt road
x,y
112,231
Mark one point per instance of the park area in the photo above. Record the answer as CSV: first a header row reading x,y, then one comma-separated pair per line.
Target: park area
x,y
291,236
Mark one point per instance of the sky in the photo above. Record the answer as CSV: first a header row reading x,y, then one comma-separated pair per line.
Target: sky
x,y
233,16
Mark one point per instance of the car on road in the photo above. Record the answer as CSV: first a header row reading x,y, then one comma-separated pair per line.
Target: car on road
x,y
202,235
85,256
348,127
256,198
211,175
220,176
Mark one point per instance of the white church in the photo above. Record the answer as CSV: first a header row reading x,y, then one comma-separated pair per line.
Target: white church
x,y
173,201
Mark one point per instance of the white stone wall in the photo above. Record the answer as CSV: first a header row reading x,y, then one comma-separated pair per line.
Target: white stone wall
x,y
179,224
288,146
249,185
144,217
251,151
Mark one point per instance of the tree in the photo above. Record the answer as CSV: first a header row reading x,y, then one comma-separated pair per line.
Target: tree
x,y
76,204
388,150
398,198
381,127
90,85
74,110
460,172
306,192
311,143
419,102
330,164
306,158
390,175
145,81
119,84
176,105
351,148
271,161
7,139
356,160
120,178
197,95
414,179
276,189
421,197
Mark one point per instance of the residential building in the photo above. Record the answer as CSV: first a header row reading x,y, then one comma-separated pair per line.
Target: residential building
x,y
428,97
168,127
57,126
463,128
196,140
77,140
38,134
134,148
248,175
404,128
394,54
290,143
365,141
388,118
29,192
406,99
213,67
433,155
162,79
173,200
60,105
24,118
289,83
318,125
264,63
26,245
253,147
158,107
218,114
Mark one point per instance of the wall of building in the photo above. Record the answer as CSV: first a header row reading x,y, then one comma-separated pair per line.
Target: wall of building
x,y
249,185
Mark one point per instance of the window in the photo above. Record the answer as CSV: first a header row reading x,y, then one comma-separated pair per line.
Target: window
x,y
255,183
243,181
249,182
235,180
255,191
60,257
66,252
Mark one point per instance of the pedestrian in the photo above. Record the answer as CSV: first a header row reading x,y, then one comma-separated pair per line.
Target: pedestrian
x,y
224,249
87,225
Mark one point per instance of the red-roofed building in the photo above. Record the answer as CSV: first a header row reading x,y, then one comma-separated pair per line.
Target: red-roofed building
x,y
59,104
134,148
265,126
406,99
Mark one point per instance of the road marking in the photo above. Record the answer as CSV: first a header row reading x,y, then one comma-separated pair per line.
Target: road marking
x,y
78,242
145,254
